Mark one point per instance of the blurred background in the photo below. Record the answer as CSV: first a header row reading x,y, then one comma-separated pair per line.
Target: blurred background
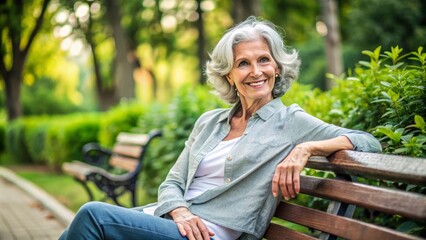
x,y
68,56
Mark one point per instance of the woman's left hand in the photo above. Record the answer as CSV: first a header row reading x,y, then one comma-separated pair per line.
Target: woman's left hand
x,y
287,173
190,225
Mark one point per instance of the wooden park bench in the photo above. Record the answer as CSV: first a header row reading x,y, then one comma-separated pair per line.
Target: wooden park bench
x,y
344,194
114,171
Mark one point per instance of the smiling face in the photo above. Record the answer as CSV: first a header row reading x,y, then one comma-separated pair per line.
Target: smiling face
x,y
253,71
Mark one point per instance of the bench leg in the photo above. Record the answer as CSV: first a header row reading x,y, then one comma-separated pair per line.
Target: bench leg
x,y
339,208
114,198
84,184
133,198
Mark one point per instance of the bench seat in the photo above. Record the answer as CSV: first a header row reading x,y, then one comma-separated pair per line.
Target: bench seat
x,y
113,171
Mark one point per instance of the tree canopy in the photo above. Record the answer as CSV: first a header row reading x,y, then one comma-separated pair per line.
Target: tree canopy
x,y
92,54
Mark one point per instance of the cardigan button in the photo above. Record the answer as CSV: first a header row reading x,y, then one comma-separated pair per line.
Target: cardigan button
x,y
229,158
227,180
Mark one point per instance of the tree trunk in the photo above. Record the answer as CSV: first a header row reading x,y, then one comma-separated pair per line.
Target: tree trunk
x,y
123,71
201,43
242,9
20,50
105,95
332,40
13,93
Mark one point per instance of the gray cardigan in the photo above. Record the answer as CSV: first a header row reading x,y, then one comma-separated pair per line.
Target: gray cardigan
x,y
245,202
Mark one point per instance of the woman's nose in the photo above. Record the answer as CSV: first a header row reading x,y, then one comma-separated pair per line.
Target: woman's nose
x,y
255,71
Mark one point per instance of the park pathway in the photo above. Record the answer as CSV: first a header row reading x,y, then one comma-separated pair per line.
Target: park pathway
x,y
24,213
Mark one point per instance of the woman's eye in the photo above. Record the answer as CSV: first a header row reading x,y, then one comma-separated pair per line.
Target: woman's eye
x,y
264,60
242,64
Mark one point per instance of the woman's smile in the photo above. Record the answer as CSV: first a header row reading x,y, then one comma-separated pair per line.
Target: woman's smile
x,y
257,84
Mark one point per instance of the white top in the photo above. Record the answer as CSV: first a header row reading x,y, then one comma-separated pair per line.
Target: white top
x,y
210,174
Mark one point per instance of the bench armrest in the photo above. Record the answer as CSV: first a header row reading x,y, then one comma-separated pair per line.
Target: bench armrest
x,y
96,155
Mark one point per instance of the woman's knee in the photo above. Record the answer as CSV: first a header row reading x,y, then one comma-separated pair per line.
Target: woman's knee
x,y
92,208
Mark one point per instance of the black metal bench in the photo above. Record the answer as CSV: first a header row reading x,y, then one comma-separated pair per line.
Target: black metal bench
x,y
114,171
345,195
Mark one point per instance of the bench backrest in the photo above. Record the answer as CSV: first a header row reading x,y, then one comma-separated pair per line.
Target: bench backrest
x,y
128,150
344,195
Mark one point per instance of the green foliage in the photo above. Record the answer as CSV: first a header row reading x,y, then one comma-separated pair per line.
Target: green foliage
x,y
35,136
296,23
313,101
386,23
42,93
50,140
67,135
2,136
15,142
123,118
386,96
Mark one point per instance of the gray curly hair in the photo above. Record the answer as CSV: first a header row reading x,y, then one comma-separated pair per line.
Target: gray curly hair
x,y
222,58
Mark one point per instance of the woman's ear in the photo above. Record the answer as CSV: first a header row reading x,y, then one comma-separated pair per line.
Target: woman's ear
x,y
229,80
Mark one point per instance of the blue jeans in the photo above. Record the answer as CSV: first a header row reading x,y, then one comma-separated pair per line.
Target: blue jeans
x,y
97,220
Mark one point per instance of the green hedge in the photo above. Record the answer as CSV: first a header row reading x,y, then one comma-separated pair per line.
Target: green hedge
x,y
125,117
52,140
16,147
386,96
49,140
66,136
2,136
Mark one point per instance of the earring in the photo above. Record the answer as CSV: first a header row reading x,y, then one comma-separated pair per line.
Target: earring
x,y
277,75
236,91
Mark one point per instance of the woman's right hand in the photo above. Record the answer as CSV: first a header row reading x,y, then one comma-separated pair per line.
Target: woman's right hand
x,y
190,225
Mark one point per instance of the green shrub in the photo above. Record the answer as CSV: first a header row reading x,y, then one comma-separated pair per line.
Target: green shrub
x,y
15,142
50,140
313,101
386,96
124,117
2,136
35,136
66,136
44,92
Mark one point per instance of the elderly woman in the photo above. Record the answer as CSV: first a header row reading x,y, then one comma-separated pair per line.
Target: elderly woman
x,y
237,162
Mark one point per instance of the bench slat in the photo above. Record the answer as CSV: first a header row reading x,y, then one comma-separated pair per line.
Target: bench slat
x,y
132,138
75,170
128,164
277,232
127,150
336,225
407,204
383,166
79,169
